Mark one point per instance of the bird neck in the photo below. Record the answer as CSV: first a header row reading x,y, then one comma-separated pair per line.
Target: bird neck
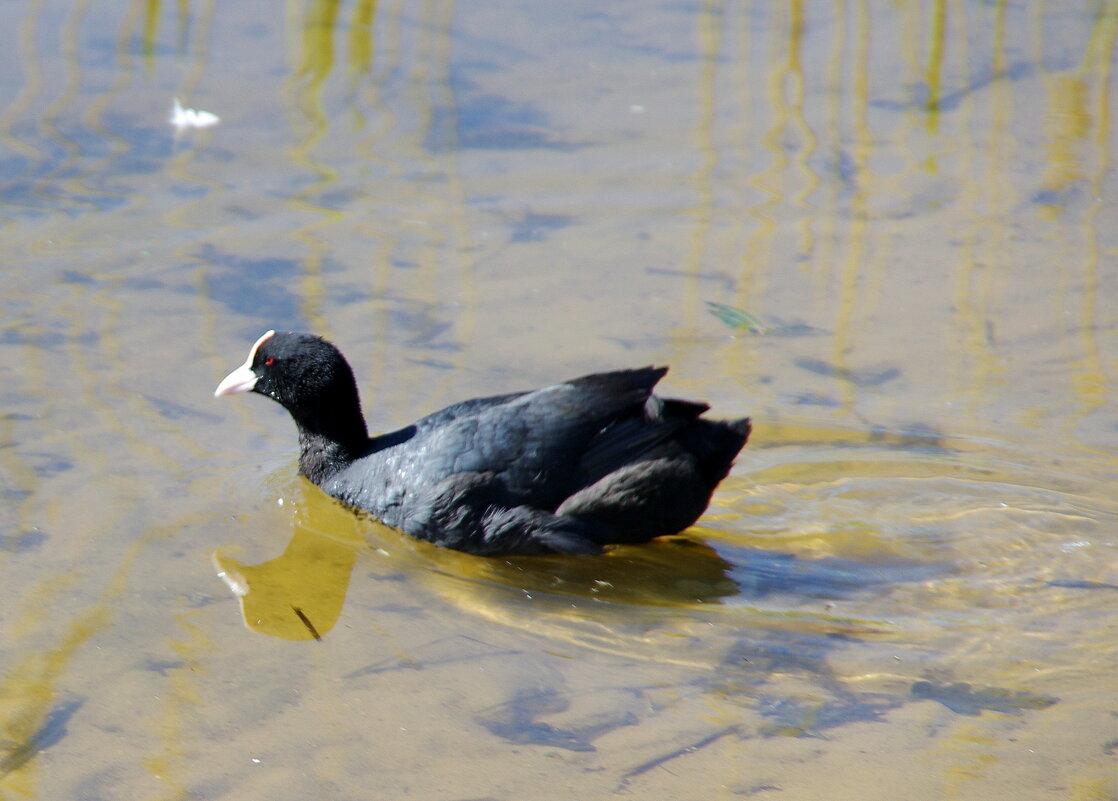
x,y
331,441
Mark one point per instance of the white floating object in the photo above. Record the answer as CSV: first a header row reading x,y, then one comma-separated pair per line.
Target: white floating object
x,y
183,118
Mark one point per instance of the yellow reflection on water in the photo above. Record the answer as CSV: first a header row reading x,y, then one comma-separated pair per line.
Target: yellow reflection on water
x,y
33,710
299,594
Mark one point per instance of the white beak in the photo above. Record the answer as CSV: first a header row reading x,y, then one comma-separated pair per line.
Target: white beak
x,y
240,380
243,379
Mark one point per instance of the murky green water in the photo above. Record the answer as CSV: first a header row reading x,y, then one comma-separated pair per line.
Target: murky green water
x,y
907,587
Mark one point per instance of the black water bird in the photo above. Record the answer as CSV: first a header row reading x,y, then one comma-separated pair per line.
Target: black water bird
x,y
568,468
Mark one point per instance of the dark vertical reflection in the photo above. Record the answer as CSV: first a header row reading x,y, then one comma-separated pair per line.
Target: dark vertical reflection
x,y
803,138
710,21
1090,381
319,26
853,263
306,88
937,35
361,37
150,32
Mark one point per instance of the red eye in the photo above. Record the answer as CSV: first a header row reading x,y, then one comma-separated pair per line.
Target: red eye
x,y
269,362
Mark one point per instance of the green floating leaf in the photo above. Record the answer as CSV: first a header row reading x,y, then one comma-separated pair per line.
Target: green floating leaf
x,y
736,318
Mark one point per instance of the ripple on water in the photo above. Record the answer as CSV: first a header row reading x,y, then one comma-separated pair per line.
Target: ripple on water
x,y
838,536
847,533
837,576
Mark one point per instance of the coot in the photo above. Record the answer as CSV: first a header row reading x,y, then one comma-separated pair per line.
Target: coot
x,y
564,469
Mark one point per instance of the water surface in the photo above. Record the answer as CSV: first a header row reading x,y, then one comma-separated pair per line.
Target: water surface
x,y
904,215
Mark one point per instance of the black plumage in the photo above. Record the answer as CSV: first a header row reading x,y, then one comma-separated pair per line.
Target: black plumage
x,y
567,468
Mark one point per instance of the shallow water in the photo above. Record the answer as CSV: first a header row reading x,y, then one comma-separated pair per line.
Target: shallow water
x,y
906,589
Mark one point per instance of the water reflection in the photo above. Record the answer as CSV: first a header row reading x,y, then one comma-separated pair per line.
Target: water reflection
x,y
299,595
841,526
14,756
